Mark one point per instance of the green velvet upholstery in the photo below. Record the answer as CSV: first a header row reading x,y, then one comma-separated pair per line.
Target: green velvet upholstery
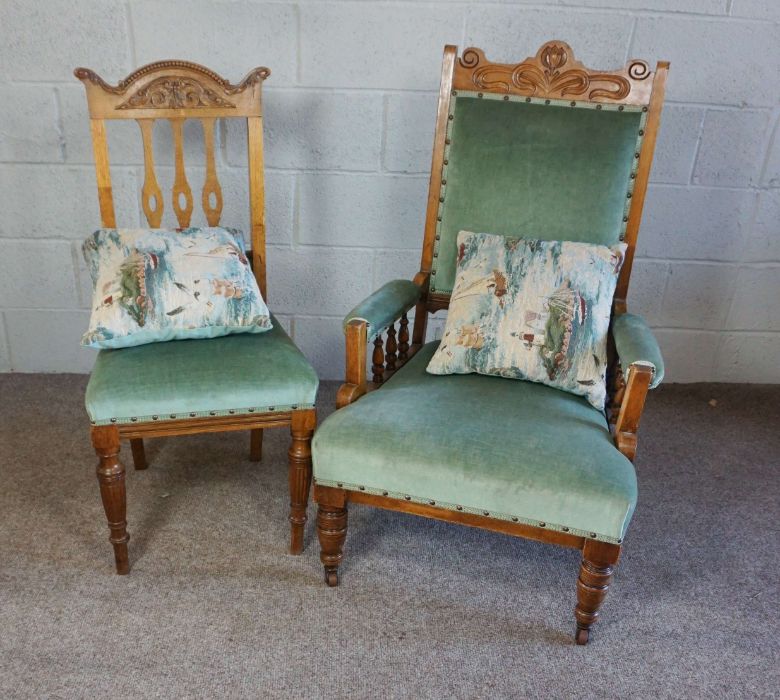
x,y
635,342
532,170
238,374
512,449
385,305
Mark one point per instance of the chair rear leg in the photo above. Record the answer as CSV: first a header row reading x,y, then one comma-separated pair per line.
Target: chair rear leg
x,y
111,476
139,453
331,530
598,559
301,428
255,444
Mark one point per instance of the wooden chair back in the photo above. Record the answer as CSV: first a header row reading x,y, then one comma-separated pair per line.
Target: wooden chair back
x,y
553,79
177,91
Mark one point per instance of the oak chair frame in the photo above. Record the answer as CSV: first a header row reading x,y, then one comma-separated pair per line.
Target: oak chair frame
x,y
176,90
552,74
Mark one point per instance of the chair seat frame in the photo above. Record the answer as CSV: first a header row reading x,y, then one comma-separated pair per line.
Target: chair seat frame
x,y
552,74
176,90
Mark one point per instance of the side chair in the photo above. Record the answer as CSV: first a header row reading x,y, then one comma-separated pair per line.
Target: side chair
x,y
543,149
245,382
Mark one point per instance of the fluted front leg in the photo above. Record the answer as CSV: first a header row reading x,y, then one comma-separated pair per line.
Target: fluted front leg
x,y
596,570
301,428
111,476
331,530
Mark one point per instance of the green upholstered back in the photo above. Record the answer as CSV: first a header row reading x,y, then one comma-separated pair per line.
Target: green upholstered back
x,y
534,168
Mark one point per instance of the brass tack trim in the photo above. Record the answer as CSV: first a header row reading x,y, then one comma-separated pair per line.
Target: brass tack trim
x,y
133,419
621,108
362,488
296,406
450,117
438,237
598,106
455,92
438,218
231,411
433,503
443,182
485,512
384,493
628,195
446,162
506,98
547,102
271,408
441,199
572,103
641,132
565,529
192,415
448,141
620,541
593,535
212,413
339,485
173,415
633,176
113,420
154,417
433,289
251,410
625,219
514,520
527,99
435,255
458,507
542,524
407,498
636,155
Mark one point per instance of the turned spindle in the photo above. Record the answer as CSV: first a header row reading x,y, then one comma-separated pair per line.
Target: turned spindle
x,y
392,348
378,360
403,339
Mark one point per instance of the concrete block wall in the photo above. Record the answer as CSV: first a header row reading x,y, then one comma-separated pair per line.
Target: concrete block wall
x,y
349,123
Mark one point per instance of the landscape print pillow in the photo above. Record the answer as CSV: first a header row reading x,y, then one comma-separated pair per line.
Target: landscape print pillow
x,y
528,309
154,285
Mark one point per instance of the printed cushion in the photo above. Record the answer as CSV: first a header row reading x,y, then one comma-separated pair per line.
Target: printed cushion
x,y
153,285
535,310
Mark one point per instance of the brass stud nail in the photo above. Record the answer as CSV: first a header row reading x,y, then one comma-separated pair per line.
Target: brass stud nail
x,y
514,520
251,410
593,535
636,155
154,417
625,219
113,420
271,408
441,199
295,407
339,485
479,94
573,103
407,498
362,488
435,255
438,218
542,524
565,529
641,132
133,419
433,289
212,413
448,141
620,541
629,195
633,176
527,99
598,106
621,108
443,182
446,162
506,97
433,503
547,102
231,411
458,507
192,415
438,237
451,117
384,493
454,92
644,109
485,512
173,415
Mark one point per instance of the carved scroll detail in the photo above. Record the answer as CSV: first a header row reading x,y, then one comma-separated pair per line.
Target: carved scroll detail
x,y
553,72
174,93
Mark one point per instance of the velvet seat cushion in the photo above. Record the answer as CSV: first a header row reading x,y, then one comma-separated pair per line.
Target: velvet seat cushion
x,y
512,449
236,374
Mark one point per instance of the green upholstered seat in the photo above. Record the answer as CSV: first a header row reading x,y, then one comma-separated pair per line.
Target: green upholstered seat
x,y
237,374
507,448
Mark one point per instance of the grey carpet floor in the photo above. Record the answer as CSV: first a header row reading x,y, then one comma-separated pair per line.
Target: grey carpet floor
x,y
214,607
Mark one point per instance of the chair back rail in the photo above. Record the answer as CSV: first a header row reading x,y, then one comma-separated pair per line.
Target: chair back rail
x,y
633,96
176,91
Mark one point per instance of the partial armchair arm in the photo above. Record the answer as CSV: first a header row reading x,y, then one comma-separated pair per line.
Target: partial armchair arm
x,y
643,366
366,322
384,306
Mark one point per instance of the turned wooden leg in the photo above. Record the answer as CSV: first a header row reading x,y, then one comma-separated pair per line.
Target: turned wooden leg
x,y
255,445
301,428
139,454
331,530
598,559
111,476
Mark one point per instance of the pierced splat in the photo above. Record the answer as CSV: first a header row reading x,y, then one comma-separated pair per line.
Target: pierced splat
x,y
151,194
181,188
211,186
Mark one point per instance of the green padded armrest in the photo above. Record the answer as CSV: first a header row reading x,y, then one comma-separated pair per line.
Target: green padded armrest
x,y
635,342
385,305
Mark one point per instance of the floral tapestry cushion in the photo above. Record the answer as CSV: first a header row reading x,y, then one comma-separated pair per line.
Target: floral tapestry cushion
x,y
534,310
153,285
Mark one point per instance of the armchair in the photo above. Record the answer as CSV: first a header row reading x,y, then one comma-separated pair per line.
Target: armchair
x,y
544,148
231,383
